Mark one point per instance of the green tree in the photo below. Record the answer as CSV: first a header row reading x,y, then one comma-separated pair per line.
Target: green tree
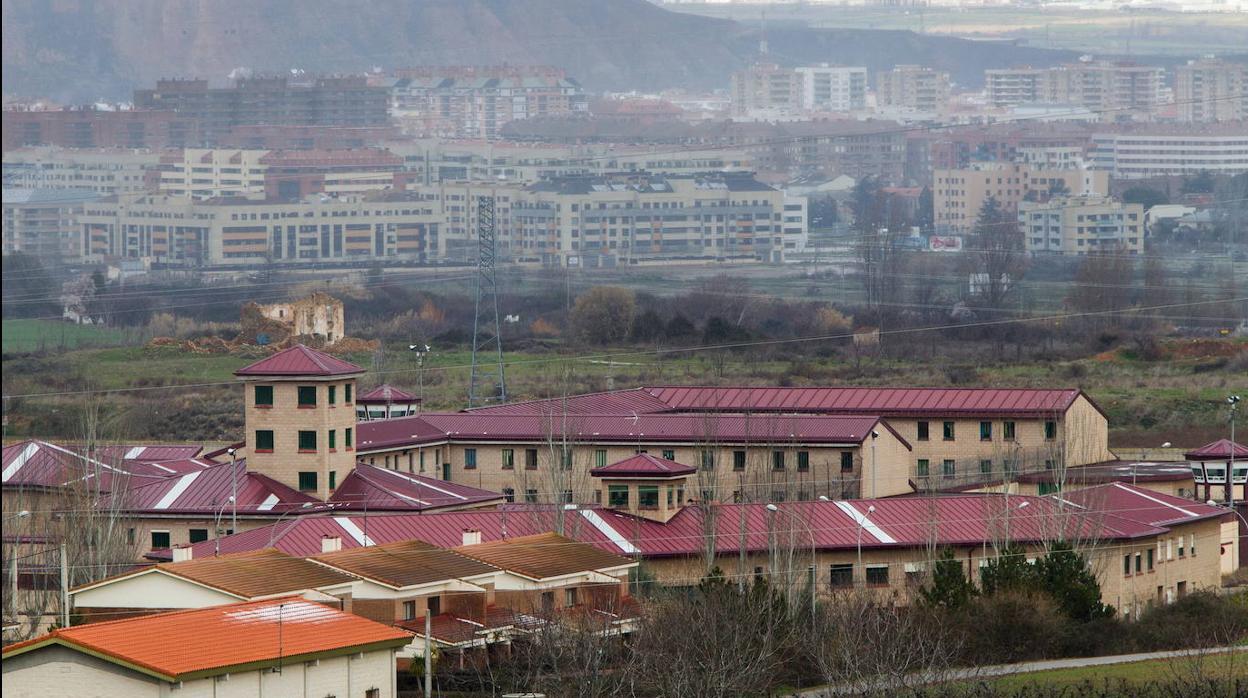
x,y
997,256
1064,574
949,587
604,314
1009,571
29,290
1145,196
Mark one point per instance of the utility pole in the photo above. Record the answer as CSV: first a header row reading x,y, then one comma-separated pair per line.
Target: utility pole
x,y
428,654
1233,401
64,588
486,385
233,494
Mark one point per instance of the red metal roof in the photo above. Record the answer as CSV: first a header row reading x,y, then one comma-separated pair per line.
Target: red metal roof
x,y
206,641
42,464
643,465
300,360
636,400
371,488
479,426
208,491
1221,449
881,401
1143,506
385,394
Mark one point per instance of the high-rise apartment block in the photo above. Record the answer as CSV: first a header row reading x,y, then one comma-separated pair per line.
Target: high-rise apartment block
x,y
767,90
1117,88
1211,89
1154,150
958,195
912,87
833,88
1082,225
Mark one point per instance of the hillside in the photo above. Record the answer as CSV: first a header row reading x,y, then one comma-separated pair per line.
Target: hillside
x,y
77,50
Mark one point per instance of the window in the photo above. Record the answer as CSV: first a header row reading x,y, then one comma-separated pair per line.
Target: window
x,y
985,431
1007,431
617,496
333,394
509,459
948,468
777,460
470,459
569,597
264,396
160,539
985,466
307,482
923,432
307,441
877,575
1139,560
1182,550
600,458
567,458
548,601
708,460
129,536
346,441
199,535
433,605
803,460
1126,565
847,461
1050,430
1149,560
307,396
566,497
509,494
346,393
669,454
948,431
738,461
924,467
333,439
530,496
333,479
409,610
264,441
530,459
842,575
1191,543
648,497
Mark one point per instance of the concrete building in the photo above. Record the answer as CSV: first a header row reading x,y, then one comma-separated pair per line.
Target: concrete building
x,y
1082,225
285,646
202,174
834,88
958,194
476,101
1159,150
1127,89
912,88
766,89
1211,89
44,223
106,171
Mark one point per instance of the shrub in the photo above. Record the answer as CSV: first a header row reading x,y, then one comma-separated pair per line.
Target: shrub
x,y
1011,626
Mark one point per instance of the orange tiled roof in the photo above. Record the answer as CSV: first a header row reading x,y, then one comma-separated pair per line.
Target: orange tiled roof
x,y
185,645
544,555
265,572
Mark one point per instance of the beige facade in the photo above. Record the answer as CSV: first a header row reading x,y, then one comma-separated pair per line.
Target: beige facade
x,y
912,87
318,315
105,171
205,173
1082,225
766,88
958,195
1127,87
301,430
1211,89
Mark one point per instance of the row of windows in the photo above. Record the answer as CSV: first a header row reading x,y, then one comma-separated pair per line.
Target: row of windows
x,y
706,459
1008,431
1145,560
949,467
307,440
306,395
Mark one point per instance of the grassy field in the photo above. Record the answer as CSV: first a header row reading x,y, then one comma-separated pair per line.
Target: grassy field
x,y
1220,666
36,335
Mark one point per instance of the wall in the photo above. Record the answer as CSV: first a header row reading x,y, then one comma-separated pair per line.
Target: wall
x,y
62,671
152,590
1131,592
286,420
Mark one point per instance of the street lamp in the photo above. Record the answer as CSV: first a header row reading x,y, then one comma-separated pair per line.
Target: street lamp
x,y
861,521
421,351
233,489
1238,535
1233,401
216,540
773,509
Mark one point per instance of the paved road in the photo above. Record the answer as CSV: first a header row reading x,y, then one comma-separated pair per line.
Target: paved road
x,y
1027,667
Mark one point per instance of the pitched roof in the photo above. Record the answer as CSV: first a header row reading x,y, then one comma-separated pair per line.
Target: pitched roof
x,y
372,488
885,402
1218,450
208,490
43,464
249,575
300,360
450,629
405,564
184,645
544,555
385,394
643,465
1144,506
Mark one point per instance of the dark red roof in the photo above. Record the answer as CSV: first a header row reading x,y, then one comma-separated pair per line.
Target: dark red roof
x,y
1143,506
817,400
1115,471
371,488
643,465
1222,449
208,490
300,360
384,395
42,464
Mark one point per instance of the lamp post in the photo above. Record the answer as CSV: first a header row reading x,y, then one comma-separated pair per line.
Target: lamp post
x,y
1234,550
1136,465
421,351
1233,401
773,509
273,526
861,521
233,490
216,539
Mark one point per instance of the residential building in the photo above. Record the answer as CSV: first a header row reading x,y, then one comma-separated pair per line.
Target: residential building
x,y
1211,89
200,173
316,101
959,194
106,171
957,148
1127,90
912,88
44,223
89,127
476,101
1160,150
833,88
285,646
1082,225
766,89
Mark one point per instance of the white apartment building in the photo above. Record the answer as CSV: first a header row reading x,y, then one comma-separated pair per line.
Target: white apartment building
x,y
827,87
206,173
1172,150
1082,225
106,171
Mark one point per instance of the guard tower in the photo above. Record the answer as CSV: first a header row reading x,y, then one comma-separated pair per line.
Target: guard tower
x,y
644,485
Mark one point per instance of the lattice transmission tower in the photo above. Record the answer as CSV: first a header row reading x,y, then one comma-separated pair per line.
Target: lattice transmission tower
x,y
486,384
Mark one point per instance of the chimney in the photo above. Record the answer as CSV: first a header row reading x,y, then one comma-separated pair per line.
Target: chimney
x,y
472,536
181,553
330,544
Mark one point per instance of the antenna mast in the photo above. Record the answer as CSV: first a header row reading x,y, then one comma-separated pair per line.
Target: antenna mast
x,y
486,385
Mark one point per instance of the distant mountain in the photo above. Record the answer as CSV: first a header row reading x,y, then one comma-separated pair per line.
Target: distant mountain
x,y
81,50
